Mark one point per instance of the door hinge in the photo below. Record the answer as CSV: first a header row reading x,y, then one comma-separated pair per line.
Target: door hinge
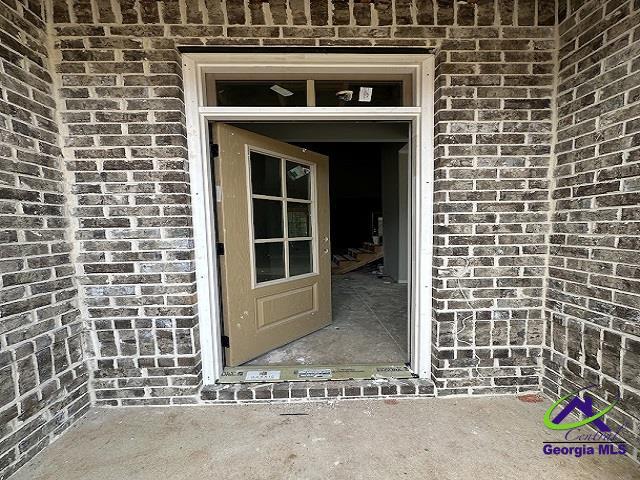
x,y
213,150
219,248
225,341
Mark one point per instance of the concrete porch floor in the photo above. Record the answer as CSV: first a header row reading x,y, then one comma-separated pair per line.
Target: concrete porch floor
x,y
447,438
369,326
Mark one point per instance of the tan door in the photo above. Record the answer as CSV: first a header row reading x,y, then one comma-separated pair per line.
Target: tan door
x,y
273,219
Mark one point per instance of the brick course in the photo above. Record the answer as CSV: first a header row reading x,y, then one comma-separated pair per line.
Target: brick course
x,y
593,293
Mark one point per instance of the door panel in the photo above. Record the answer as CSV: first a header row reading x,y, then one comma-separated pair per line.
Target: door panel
x,y
285,306
273,218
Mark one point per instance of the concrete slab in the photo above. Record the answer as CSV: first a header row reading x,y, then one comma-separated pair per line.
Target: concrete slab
x,y
446,438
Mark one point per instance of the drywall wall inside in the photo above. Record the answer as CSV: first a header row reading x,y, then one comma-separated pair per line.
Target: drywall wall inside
x,y
404,207
395,204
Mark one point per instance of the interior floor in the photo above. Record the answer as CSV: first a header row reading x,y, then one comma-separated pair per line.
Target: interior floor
x,y
369,326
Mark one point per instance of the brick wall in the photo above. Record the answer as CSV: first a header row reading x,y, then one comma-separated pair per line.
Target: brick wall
x,y
122,114
43,378
493,143
505,216
594,268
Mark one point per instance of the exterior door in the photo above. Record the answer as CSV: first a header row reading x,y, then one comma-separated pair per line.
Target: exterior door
x,y
273,220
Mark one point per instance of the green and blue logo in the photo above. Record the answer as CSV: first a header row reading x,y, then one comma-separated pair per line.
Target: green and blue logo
x,y
577,441
584,405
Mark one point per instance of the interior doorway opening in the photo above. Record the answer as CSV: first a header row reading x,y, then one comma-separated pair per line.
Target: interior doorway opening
x,y
369,211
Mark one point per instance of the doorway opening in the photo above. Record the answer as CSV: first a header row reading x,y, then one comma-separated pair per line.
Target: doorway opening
x,y
204,105
365,329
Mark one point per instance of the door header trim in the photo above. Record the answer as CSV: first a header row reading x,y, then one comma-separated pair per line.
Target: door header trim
x,y
263,50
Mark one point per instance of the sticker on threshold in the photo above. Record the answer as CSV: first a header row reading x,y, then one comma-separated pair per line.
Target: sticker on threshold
x,y
391,369
315,373
260,375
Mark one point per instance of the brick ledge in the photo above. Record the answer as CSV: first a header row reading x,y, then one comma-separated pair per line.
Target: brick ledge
x,y
287,391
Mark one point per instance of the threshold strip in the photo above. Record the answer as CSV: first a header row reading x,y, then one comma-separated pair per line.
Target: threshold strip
x,y
311,373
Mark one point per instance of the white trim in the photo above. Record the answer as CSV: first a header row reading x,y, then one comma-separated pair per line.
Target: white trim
x,y
202,200
311,113
203,196
421,285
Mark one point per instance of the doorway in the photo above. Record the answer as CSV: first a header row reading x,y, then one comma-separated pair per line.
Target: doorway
x,y
419,111
363,319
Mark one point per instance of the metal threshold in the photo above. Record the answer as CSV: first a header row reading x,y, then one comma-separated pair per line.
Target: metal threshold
x,y
310,373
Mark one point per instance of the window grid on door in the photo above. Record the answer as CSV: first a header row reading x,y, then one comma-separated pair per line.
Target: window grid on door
x,y
295,200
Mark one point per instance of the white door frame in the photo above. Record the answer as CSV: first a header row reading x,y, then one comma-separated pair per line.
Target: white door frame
x,y
203,196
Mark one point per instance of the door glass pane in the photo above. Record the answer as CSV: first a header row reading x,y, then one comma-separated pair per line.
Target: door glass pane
x,y
265,175
358,93
269,261
300,258
298,180
299,219
267,218
261,93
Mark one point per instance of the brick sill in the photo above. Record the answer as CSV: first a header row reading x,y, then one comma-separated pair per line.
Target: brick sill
x,y
300,391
